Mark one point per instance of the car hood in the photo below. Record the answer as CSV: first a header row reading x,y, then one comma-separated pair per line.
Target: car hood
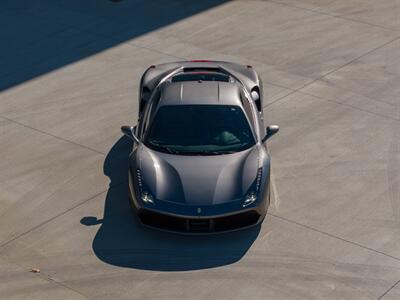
x,y
198,180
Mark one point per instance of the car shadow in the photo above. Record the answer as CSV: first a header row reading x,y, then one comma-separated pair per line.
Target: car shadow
x,y
122,241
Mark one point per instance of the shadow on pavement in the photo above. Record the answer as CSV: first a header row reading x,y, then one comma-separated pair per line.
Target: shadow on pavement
x,y
41,36
122,241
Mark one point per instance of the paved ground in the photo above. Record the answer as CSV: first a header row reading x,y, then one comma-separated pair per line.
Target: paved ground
x,y
69,72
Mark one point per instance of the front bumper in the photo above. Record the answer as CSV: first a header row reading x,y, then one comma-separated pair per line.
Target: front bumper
x,y
205,225
190,219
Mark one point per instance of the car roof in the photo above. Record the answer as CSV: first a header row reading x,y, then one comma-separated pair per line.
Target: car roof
x,y
200,92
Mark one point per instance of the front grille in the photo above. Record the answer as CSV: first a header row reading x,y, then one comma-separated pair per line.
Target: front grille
x,y
199,225
189,225
236,221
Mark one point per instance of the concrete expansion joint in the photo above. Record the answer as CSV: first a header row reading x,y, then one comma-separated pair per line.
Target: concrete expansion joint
x,y
53,218
342,17
333,71
48,278
52,135
388,290
333,236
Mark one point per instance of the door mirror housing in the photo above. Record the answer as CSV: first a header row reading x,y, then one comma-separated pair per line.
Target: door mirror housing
x,y
271,130
129,131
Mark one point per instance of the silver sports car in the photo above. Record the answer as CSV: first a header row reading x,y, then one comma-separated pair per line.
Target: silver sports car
x,y
199,162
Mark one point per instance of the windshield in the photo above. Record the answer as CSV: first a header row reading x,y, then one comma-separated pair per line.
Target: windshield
x,y
199,129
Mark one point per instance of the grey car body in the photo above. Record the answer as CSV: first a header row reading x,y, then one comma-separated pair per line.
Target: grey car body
x,y
203,192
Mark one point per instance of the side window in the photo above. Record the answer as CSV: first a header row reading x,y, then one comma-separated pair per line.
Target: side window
x,y
149,112
146,117
251,112
248,109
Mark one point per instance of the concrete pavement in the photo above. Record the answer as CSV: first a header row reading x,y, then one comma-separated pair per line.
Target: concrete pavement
x,y
69,76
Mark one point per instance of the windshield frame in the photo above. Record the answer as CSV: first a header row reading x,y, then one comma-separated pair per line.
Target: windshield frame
x,y
169,148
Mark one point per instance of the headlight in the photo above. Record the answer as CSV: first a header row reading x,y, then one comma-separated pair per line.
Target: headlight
x,y
252,195
249,199
145,196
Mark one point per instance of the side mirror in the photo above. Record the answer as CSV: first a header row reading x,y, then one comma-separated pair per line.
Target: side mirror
x,y
271,130
129,131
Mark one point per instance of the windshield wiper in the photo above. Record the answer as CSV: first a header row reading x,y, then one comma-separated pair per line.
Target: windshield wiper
x,y
215,152
165,148
227,152
171,150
